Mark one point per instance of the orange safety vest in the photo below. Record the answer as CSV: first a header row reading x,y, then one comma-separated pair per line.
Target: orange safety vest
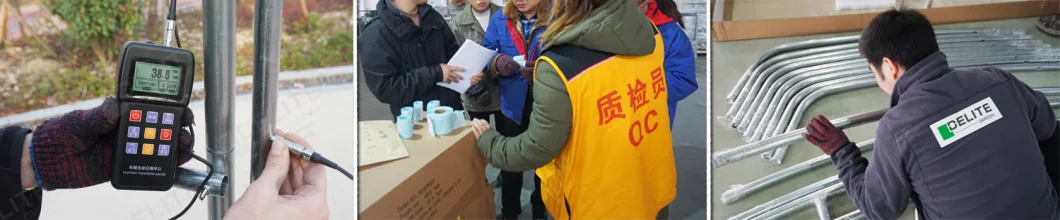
x,y
618,162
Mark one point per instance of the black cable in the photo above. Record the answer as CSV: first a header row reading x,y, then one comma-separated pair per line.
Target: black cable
x,y
202,186
316,158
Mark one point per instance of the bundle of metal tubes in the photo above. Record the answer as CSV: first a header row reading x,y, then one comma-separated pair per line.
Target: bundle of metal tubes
x,y
776,90
772,95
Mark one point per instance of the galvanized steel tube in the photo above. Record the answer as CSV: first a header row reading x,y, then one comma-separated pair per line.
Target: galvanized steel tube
x,y
727,156
787,198
739,191
855,215
800,203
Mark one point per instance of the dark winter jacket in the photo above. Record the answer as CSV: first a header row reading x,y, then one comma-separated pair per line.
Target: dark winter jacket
x,y
17,203
401,60
962,144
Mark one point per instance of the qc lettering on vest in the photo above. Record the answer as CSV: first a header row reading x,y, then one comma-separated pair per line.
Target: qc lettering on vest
x,y
618,161
965,122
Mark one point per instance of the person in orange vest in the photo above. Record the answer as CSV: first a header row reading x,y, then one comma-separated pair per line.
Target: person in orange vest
x,y
599,128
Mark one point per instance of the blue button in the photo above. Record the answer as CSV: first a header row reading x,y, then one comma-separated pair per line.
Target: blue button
x,y
163,150
167,118
130,148
134,132
152,117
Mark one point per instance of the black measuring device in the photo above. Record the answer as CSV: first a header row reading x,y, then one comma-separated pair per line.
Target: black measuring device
x,y
154,88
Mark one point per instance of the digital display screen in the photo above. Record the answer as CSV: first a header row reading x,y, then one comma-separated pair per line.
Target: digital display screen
x,y
156,78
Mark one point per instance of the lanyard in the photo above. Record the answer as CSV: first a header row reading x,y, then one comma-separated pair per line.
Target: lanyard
x,y
520,44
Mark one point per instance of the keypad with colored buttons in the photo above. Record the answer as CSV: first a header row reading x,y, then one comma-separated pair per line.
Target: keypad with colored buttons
x,y
149,131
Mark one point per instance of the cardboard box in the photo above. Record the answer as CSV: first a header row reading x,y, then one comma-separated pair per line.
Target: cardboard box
x,y
725,29
443,178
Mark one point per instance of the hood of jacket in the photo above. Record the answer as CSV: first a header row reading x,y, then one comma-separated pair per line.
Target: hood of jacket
x,y
467,16
617,27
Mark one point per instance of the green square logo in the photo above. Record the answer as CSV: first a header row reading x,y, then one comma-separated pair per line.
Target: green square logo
x,y
945,132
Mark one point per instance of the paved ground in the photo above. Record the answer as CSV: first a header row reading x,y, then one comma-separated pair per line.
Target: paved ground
x,y
730,61
320,114
689,148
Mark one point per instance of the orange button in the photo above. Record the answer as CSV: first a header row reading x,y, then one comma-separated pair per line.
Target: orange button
x,y
166,134
149,149
134,115
149,133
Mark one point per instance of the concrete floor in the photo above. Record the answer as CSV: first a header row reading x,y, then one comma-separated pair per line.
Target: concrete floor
x,y
730,61
689,149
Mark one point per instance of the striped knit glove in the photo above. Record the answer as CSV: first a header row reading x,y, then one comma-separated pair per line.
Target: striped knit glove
x,y
76,150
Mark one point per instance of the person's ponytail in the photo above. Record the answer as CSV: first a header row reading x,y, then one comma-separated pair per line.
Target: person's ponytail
x,y
669,8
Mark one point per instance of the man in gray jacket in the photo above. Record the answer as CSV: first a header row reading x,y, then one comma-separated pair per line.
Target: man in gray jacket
x,y
961,144
483,99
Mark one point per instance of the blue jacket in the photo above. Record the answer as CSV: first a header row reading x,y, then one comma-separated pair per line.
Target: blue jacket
x,y
680,65
962,144
513,88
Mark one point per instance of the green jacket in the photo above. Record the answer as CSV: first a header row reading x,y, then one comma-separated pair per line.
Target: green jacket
x,y
617,27
466,27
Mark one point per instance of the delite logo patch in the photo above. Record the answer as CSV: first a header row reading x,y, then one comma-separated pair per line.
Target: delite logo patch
x,y
966,121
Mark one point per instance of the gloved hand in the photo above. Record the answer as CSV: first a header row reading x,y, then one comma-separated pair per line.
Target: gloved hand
x,y
76,150
479,95
506,66
826,136
528,72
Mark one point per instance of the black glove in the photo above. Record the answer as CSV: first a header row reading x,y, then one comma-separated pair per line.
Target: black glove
x,y
528,72
479,94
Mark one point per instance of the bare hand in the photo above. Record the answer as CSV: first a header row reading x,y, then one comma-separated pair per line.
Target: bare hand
x,y
288,188
476,78
479,126
448,75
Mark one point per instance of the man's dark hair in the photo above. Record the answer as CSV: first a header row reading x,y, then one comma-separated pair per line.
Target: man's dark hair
x,y
904,35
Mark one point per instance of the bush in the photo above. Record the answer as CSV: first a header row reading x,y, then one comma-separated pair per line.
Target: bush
x,y
102,23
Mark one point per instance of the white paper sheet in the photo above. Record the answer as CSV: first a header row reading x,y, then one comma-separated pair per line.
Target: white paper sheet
x,y
473,58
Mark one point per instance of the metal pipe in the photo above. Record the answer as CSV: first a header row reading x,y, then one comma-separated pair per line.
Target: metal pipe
x,y
727,156
1054,103
821,204
776,156
757,111
976,48
848,40
771,127
855,215
739,191
803,202
219,22
741,88
787,198
267,30
190,179
786,66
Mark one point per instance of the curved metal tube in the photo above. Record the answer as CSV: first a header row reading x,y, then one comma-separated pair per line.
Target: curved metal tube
x,y
794,46
787,65
727,156
777,156
739,191
190,179
764,61
759,109
801,203
787,198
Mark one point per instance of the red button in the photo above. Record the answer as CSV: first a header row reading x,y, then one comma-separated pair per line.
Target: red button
x,y
134,115
166,134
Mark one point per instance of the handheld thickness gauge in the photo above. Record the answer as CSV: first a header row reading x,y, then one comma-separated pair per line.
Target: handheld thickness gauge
x,y
154,88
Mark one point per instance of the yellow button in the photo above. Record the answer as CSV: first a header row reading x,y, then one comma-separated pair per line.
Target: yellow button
x,y
149,133
149,149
